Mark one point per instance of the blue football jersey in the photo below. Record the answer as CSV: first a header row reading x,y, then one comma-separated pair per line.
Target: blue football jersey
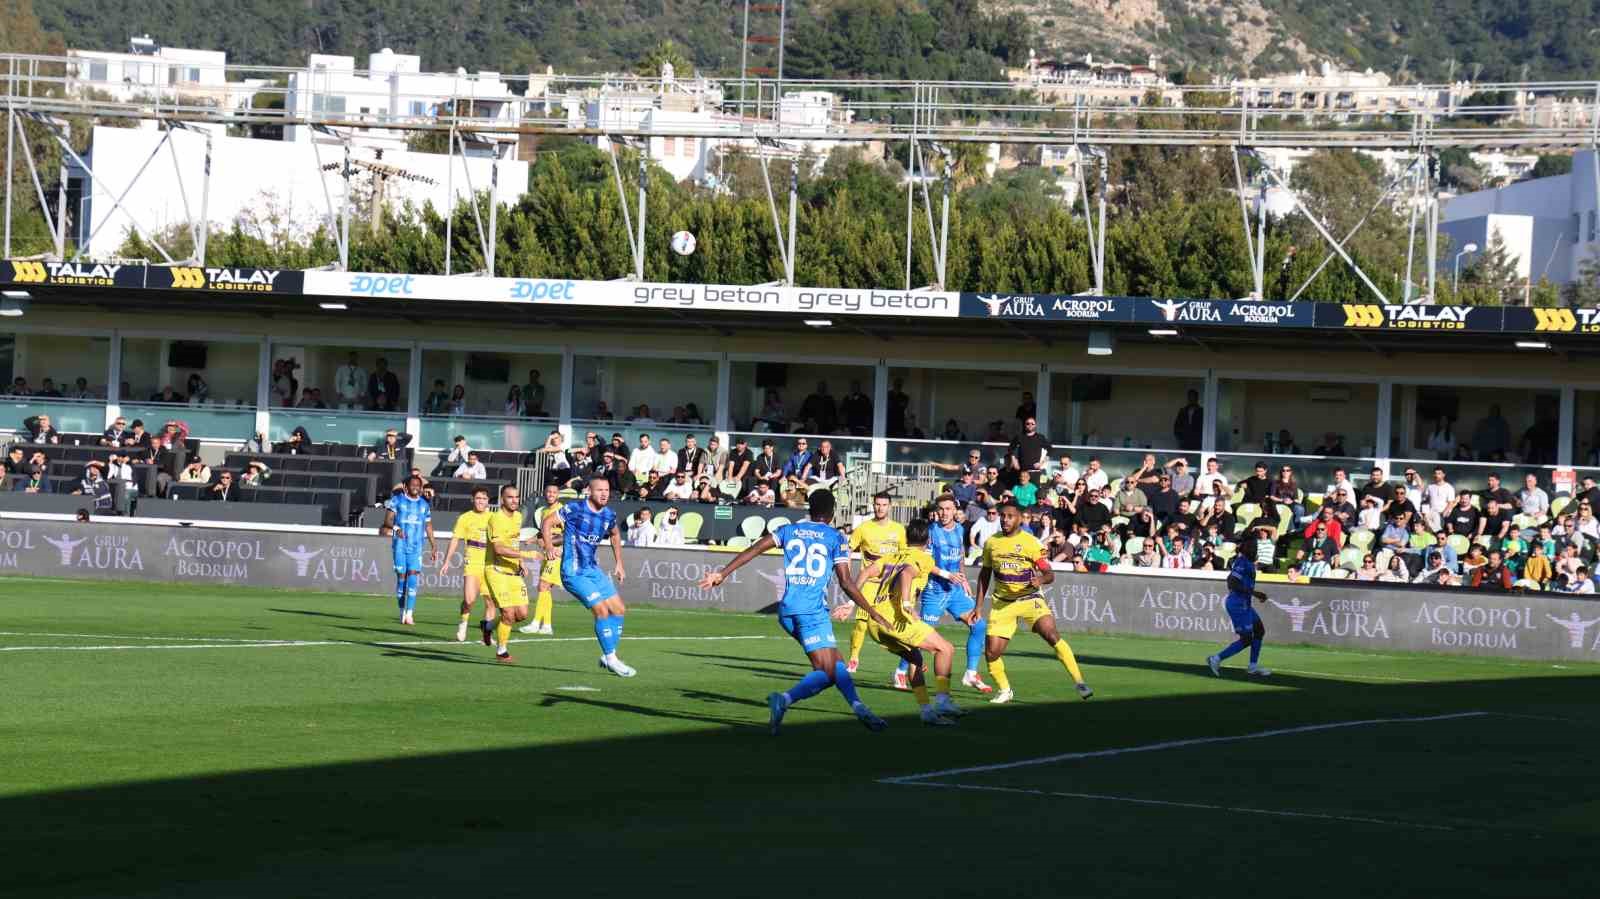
x,y
945,547
411,518
810,552
1245,570
585,529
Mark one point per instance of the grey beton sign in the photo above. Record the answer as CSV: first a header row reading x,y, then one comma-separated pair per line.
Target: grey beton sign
x,y
1533,625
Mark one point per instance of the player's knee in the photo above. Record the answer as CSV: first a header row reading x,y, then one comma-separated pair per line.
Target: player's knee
x,y
1259,630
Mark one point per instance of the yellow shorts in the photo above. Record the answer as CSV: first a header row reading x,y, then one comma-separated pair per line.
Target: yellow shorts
x,y
551,574
869,590
505,589
905,635
471,567
1005,615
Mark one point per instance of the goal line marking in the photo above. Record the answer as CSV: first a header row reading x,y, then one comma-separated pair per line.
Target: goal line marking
x,y
387,644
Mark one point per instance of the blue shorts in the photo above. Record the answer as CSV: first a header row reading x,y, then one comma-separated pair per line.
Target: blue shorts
x,y
812,630
589,586
1243,615
407,557
940,597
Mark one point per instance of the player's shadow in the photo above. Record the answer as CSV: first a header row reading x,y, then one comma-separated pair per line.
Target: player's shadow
x,y
552,700
795,666
314,614
1196,669
427,656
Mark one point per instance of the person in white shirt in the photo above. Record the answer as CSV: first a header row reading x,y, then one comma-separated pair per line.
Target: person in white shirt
x,y
1206,484
1437,498
666,459
459,451
643,532
471,470
1066,475
1442,443
680,489
1341,481
1533,499
643,417
350,380
762,495
643,458
1371,514
1096,476
984,528
668,531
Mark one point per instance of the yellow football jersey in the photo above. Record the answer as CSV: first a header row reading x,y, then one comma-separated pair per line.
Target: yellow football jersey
x,y
1013,561
472,528
878,539
505,527
915,563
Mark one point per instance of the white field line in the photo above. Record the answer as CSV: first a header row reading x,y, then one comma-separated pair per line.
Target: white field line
x,y
1171,744
1278,813
392,644
140,637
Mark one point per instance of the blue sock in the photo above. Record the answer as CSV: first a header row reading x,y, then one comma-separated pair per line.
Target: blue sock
x,y
1233,649
845,684
813,683
1255,650
607,636
975,640
904,667
400,590
616,630
413,579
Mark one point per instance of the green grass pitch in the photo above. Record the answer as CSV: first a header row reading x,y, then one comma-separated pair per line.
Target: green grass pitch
x,y
164,740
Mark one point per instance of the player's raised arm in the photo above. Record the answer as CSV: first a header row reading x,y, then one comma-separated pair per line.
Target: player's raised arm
x,y
715,578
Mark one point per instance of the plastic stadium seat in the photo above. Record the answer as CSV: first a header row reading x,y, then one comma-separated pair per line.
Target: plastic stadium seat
x,y
739,542
1116,545
691,523
1484,540
1477,502
1459,543
1285,514
1134,546
1337,574
1350,559
1361,538
1423,541
1313,504
1245,514
1118,521
1383,557
1227,550
1559,503
774,523
1238,494
1528,584
753,527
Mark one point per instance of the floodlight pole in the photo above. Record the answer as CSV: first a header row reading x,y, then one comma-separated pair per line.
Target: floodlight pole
x,y
449,194
794,191
494,210
10,130
638,244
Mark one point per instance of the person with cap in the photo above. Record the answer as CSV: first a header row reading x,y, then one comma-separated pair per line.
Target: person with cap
x,y
391,448
95,485
679,489
256,474
737,470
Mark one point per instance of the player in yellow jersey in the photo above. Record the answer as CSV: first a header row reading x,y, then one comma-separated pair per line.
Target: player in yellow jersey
x,y
504,573
902,577
1014,563
876,538
471,535
550,577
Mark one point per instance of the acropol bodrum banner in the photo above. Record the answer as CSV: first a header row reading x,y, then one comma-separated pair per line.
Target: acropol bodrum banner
x,y
1533,625
650,295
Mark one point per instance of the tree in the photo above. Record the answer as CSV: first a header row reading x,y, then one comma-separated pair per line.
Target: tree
x,y
1584,290
1495,273
665,53
1551,164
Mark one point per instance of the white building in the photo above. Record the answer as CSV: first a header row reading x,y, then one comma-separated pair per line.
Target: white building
x,y
1356,94
275,188
393,88
1549,224
147,71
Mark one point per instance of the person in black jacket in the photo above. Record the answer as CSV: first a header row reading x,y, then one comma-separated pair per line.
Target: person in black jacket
x,y
39,429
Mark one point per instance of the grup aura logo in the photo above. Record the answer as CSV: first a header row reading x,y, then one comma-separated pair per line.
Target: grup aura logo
x,y
302,558
65,546
1296,612
107,553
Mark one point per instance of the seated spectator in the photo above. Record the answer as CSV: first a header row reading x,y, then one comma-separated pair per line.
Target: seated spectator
x,y
1435,572
793,471
1369,568
298,444
678,489
1026,493
654,486
982,529
1162,497
176,434
391,448
1493,575
471,470
196,472
19,387
255,444
459,450
113,435
643,531
666,459
39,430
1095,476
438,401
1143,523
668,531
692,416
704,492
1130,499
48,390
692,459
119,471
15,461
1216,512
963,490
37,480
256,474
1497,521
1146,473
643,458
95,485
168,395
1326,524
1207,484
827,466
1396,573
623,481
1332,445
1176,550
1371,515
1533,500
1316,566
1538,567
1578,582
1258,486
762,495
1208,560
1183,483
1394,535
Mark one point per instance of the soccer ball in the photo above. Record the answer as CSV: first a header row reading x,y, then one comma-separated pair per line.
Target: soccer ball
x,y
683,243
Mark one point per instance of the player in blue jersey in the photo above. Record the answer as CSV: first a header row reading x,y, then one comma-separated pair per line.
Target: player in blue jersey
x,y
948,591
813,551
1246,623
409,520
586,522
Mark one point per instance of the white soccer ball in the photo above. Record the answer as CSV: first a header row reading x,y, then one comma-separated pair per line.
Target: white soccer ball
x,y
683,243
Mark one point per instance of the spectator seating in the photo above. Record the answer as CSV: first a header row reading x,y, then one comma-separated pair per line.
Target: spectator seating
x,y
270,513
335,504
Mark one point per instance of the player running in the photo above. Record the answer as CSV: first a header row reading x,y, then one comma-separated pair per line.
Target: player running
x,y
586,522
471,535
1014,563
812,552
904,576
409,519
1246,623
876,538
504,573
948,591
550,576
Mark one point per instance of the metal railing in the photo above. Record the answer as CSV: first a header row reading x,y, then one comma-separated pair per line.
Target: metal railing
x,y
911,487
1554,113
